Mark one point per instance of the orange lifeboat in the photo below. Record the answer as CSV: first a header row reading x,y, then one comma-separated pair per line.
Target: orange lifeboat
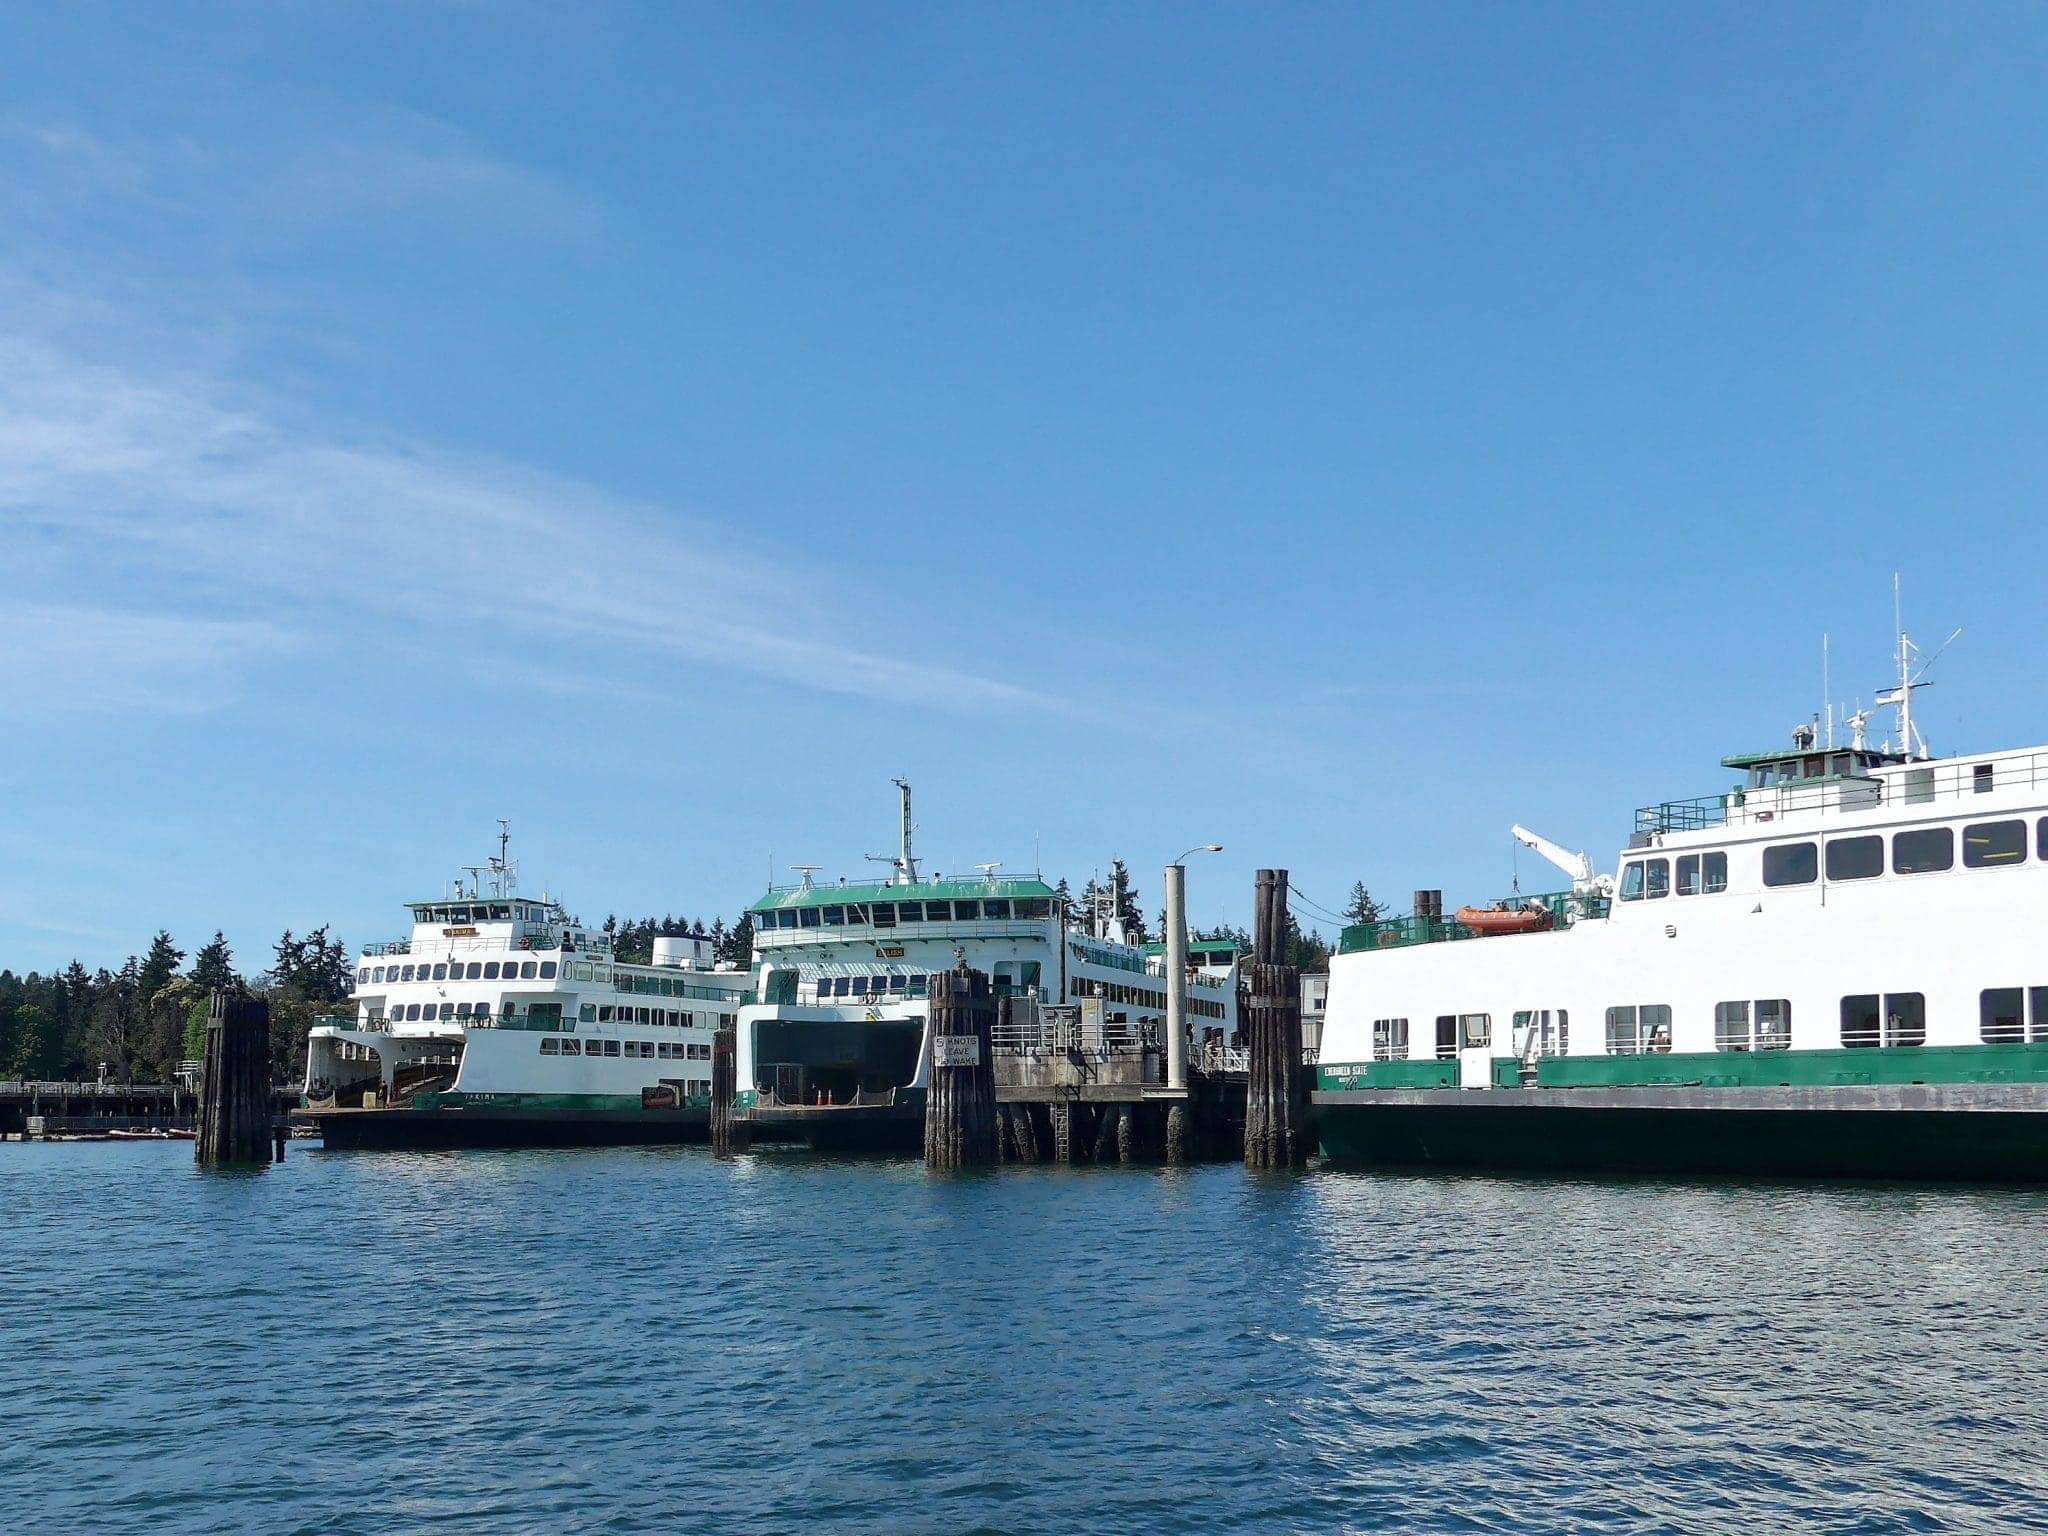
x,y
1487,921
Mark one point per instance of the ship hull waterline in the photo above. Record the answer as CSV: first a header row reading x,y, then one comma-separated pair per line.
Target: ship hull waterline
x,y
476,1126
1975,1133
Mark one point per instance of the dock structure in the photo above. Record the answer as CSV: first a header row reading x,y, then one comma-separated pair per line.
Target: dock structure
x,y
35,1109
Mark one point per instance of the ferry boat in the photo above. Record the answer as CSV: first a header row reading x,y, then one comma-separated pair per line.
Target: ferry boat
x,y
834,1053
1835,966
503,1020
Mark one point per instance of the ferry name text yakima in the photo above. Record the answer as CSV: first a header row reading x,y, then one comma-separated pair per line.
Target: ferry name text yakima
x,y
1835,966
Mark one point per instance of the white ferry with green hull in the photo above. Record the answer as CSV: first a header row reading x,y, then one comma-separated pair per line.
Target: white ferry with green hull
x,y
1836,966
502,1019
834,1053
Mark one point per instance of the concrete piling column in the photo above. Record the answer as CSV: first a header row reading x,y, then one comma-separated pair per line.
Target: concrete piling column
x,y
1179,1122
1176,976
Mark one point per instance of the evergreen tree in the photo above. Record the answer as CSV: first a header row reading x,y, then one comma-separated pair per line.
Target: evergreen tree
x,y
739,944
1128,909
214,966
110,1029
38,1043
1362,908
158,966
1064,898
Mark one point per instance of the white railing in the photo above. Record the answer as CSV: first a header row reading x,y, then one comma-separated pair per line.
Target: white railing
x,y
868,933
1056,1037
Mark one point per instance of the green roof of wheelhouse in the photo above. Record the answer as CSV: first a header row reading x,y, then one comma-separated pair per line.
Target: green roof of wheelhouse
x,y
925,890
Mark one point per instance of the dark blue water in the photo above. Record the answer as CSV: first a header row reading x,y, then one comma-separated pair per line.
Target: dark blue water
x,y
651,1340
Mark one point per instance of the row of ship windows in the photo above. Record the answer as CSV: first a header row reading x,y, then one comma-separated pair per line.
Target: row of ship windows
x,y
657,1018
1140,997
2005,1016
1918,851
652,1050
888,914
453,970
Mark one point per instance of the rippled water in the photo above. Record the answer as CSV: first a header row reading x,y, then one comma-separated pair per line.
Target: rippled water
x,y
648,1340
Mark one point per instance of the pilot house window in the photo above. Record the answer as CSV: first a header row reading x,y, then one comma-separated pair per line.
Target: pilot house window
x,y
1702,874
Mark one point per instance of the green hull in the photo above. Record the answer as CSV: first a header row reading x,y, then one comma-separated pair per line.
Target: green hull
x,y
1885,1133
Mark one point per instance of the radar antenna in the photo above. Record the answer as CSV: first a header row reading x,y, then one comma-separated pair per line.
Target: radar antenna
x,y
805,871
1912,675
905,862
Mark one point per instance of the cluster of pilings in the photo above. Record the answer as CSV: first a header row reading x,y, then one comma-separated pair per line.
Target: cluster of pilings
x,y
238,1120
1276,1133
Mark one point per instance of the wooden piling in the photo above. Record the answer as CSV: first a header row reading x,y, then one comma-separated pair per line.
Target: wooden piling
x,y
1275,1110
235,1108
1179,1126
728,1132
960,1103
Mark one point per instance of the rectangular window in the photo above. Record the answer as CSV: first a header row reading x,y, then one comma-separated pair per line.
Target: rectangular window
x,y
550,1046
966,911
2001,1015
1034,907
807,917
1791,864
1622,1039
1861,1014
406,975
573,1047
1981,778
547,970
611,1048
1476,1028
856,917
1688,875
1773,1024
1922,850
995,909
1656,879
604,1013
587,1013
441,972
476,969
1905,1018
1632,876
1919,785
1389,1039
1656,1023
835,917
1713,873
1995,844
490,970
1731,1023
885,914
1855,858
1446,1036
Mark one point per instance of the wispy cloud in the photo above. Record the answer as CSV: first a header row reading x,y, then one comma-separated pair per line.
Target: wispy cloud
x,y
115,483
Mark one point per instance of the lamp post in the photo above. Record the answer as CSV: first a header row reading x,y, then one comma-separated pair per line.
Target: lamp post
x,y
1177,966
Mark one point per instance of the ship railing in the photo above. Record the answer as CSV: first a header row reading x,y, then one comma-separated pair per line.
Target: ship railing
x,y
1903,785
1074,1037
389,947
1219,1059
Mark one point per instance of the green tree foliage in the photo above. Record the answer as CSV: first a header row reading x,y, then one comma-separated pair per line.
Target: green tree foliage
x,y
1128,907
1361,908
38,1043
214,966
739,944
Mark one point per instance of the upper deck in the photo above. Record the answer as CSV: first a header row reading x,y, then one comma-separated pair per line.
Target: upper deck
x,y
1802,788
943,910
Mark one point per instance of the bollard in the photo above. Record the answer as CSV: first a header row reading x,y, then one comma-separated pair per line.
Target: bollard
x,y
728,1131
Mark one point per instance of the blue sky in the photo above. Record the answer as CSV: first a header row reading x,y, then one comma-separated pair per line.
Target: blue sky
x,y
1335,432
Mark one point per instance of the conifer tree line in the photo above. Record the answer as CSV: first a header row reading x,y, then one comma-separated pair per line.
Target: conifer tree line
x,y
137,1022
632,940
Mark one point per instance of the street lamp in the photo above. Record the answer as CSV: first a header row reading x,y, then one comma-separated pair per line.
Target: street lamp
x,y
1201,848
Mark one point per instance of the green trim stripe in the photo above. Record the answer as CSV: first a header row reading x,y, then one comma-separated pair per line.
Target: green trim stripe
x,y
1901,1064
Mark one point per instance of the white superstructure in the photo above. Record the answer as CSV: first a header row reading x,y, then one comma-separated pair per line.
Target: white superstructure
x,y
501,999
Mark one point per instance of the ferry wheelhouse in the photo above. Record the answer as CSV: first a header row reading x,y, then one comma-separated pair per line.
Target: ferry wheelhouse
x,y
501,1017
1835,965
834,1050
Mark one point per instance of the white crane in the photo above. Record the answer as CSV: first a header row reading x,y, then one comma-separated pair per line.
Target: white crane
x,y
1576,865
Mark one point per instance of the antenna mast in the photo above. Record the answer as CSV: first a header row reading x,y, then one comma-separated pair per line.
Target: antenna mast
x,y
908,862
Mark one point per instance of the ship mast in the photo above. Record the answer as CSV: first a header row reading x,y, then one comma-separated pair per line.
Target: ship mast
x,y
905,861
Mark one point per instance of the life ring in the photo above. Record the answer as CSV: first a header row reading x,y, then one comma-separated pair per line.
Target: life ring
x,y
1387,940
